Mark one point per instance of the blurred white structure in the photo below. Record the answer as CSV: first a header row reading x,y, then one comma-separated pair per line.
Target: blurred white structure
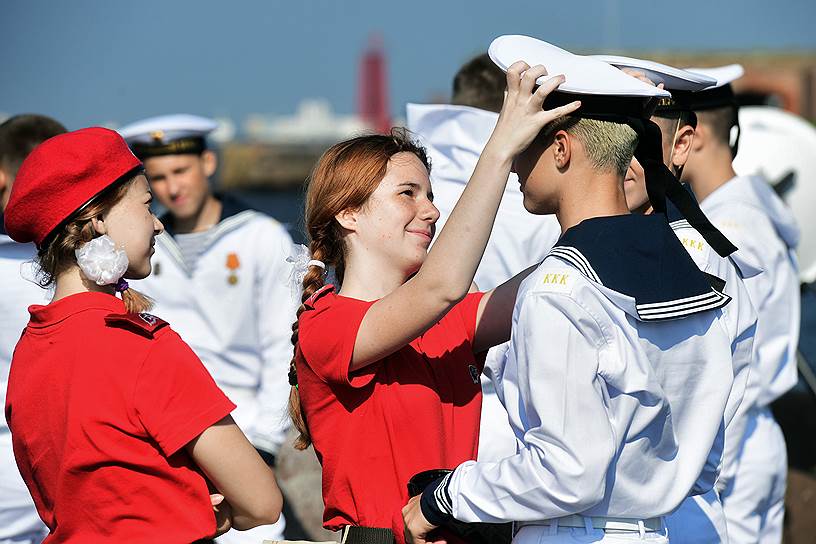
x,y
225,131
781,147
313,123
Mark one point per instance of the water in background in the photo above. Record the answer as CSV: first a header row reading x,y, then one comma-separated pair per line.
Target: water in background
x,y
285,206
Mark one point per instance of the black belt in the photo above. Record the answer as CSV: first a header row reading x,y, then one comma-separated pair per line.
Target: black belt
x,y
366,535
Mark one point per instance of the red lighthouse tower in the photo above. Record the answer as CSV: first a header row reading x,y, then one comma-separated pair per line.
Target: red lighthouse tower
x,y
372,90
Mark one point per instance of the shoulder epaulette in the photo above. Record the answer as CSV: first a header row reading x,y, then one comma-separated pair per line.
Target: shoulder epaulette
x,y
310,302
142,323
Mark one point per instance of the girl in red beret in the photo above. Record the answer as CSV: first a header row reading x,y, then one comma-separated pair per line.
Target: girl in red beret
x,y
119,432
386,371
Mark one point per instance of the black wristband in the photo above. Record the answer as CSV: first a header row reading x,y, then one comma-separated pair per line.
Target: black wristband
x,y
436,503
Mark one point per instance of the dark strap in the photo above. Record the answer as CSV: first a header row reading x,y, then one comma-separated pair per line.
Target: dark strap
x,y
661,185
367,535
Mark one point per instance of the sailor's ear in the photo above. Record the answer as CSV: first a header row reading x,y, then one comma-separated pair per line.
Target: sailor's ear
x,y
562,146
209,162
683,145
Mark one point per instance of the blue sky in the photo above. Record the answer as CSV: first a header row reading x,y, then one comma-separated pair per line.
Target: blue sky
x,y
92,61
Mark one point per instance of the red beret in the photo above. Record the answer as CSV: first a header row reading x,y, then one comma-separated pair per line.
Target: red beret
x,y
61,175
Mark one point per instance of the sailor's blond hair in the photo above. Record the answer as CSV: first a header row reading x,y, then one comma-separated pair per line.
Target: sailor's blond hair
x,y
609,146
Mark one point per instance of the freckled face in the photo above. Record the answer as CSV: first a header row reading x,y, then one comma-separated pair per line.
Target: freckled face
x,y
399,219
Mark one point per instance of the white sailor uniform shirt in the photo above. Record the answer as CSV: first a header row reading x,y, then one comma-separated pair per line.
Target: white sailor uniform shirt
x,y
740,319
700,518
616,382
235,310
748,211
750,214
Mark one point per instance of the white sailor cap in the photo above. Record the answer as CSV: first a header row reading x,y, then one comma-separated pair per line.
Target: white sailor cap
x,y
168,135
605,92
721,93
673,79
608,94
723,75
682,84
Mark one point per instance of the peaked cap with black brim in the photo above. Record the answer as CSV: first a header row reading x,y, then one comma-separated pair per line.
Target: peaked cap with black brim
x,y
608,94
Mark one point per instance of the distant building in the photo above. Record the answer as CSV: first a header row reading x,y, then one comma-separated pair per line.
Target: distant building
x,y
279,151
313,123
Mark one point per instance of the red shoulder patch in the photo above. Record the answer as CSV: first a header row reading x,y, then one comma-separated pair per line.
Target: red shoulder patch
x,y
310,302
142,322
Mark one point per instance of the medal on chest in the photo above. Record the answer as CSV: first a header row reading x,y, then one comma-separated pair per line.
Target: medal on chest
x,y
233,264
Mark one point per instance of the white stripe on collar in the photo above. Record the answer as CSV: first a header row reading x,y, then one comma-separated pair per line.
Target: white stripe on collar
x,y
655,311
577,259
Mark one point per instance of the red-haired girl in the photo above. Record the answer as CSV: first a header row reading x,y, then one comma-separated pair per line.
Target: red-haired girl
x,y
387,368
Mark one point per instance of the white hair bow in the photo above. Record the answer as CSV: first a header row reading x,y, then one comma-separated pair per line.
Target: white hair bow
x,y
300,261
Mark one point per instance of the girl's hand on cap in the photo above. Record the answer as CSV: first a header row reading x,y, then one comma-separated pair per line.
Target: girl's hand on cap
x,y
522,116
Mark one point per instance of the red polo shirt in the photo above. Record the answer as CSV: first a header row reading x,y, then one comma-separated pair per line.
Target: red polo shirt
x,y
100,412
414,410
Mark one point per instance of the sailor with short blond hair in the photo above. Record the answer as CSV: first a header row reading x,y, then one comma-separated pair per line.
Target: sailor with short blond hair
x,y
619,367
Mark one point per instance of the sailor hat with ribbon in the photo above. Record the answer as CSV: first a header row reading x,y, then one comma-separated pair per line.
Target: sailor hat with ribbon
x,y
608,94
168,135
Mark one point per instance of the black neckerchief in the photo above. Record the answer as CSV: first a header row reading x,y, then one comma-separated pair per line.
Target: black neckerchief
x,y
640,256
672,213
661,183
662,187
2,225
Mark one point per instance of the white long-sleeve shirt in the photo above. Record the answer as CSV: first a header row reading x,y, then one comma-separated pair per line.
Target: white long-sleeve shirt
x,y
616,399
752,216
235,310
740,319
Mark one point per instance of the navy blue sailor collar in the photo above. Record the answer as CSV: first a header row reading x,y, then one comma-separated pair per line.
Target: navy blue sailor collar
x,y
639,256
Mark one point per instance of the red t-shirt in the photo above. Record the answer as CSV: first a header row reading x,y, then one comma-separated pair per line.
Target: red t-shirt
x,y
414,410
100,413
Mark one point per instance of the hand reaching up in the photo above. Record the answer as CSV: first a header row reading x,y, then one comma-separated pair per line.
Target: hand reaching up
x,y
522,116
